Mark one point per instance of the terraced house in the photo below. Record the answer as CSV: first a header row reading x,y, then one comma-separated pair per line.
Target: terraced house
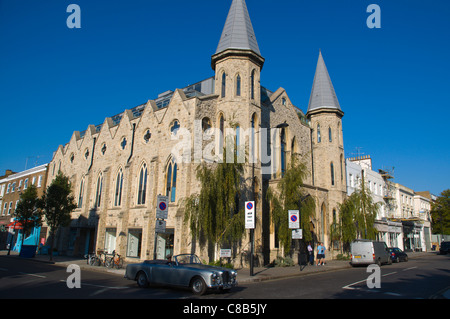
x,y
119,167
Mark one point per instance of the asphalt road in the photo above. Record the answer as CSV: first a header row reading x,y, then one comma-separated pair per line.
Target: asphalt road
x,y
421,278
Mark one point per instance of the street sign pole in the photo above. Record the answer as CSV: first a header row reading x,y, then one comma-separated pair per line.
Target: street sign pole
x,y
250,224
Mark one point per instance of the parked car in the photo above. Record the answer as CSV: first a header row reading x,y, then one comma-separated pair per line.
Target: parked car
x,y
366,252
185,270
397,254
444,248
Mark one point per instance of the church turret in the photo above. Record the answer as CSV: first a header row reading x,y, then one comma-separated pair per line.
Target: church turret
x,y
238,61
325,115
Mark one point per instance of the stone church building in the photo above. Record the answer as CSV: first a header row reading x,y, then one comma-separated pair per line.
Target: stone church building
x,y
118,168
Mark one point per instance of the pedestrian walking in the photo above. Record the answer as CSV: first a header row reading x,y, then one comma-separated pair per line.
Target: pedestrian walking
x,y
320,254
311,254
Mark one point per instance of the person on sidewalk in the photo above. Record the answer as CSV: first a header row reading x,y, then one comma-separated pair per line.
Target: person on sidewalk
x,y
320,254
311,254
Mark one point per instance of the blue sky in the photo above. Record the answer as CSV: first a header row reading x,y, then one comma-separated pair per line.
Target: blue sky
x,y
392,83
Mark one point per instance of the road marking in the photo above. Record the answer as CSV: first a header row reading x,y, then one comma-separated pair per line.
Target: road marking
x,y
358,282
392,294
409,268
391,273
348,286
34,275
100,286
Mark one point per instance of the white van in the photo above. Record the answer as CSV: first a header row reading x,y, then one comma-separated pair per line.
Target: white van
x,y
365,252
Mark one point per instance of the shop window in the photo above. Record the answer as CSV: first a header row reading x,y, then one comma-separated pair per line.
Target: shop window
x,y
134,243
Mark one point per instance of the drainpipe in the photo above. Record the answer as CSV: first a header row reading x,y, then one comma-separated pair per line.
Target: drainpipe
x,y
132,143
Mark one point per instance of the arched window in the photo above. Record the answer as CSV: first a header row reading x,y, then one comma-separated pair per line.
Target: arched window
x,y
171,180
252,84
319,138
175,127
206,124
80,195
238,140
224,84
330,136
293,147
98,194
332,173
119,184
238,85
254,149
142,189
283,151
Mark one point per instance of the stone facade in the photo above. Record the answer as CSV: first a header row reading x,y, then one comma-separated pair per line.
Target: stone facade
x,y
109,163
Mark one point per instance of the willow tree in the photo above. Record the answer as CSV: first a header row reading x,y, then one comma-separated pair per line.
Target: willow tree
x,y
290,195
214,214
357,216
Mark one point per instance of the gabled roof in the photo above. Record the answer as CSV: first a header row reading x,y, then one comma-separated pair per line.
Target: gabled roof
x,y
322,94
238,31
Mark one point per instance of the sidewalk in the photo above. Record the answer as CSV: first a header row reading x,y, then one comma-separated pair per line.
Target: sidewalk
x,y
260,273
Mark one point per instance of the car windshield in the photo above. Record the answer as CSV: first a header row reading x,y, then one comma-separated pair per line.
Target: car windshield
x,y
187,259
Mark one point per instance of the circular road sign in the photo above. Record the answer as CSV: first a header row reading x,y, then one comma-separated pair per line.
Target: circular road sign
x,y
162,206
249,206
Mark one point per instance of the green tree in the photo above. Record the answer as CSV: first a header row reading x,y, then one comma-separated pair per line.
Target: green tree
x,y
440,214
290,195
57,204
214,215
357,217
27,212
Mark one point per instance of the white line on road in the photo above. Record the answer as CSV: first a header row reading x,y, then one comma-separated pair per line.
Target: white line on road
x,y
388,274
100,286
348,286
409,268
34,275
392,294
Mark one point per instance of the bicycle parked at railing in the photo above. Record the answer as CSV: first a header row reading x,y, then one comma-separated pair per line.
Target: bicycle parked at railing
x,y
115,261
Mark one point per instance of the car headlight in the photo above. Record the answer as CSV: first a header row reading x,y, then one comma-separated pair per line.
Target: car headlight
x,y
216,278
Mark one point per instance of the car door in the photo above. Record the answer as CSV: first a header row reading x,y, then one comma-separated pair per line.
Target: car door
x,y
161,274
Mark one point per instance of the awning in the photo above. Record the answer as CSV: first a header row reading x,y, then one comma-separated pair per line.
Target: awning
x,y
15,225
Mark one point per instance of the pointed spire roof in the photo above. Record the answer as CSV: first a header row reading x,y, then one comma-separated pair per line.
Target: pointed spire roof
x,y
322,94
238,31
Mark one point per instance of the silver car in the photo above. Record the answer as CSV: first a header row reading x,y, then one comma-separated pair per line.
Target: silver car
x,y
185,270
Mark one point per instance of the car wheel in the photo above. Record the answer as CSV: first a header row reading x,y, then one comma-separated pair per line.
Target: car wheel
x,y
397,260
198,286
406,258
142,280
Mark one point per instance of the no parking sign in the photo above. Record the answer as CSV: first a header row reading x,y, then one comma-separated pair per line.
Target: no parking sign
x,y
249,215
294,222
162,207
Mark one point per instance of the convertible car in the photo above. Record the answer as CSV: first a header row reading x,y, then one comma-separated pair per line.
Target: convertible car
x,y
184,270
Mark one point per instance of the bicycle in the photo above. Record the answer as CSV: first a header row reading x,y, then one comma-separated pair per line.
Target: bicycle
x,y
91,259
115,261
